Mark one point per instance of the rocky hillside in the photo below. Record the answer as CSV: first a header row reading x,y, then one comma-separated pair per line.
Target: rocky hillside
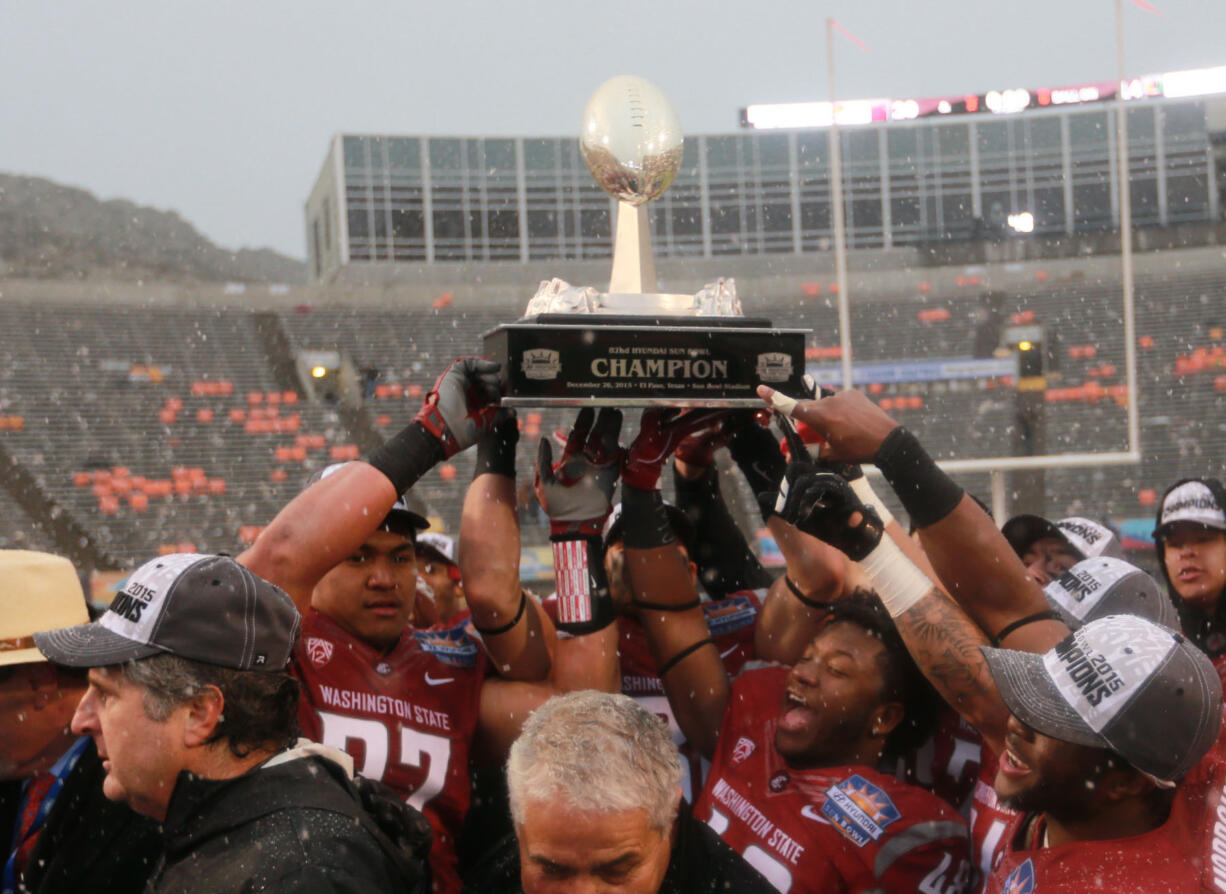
x,y
49,231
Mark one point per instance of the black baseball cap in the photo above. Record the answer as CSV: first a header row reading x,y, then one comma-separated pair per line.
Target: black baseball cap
x,y
205,608
1086,537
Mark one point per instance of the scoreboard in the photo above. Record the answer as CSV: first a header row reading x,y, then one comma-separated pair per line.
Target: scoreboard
x,y
852,112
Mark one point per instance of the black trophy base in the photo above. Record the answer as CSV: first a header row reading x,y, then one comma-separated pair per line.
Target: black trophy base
x,y
576,360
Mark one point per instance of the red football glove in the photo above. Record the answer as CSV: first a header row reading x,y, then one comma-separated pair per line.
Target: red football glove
x,y
660,431
577,492
699,449
461,405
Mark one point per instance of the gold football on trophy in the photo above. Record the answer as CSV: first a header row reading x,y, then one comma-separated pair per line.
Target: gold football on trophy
x,y
631,139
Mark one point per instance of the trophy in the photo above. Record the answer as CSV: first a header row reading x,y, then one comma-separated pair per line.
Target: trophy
x,y
632,345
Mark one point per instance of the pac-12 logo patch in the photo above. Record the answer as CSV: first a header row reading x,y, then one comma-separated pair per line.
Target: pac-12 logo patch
x,y
859,809
744,748
319,650
1020,880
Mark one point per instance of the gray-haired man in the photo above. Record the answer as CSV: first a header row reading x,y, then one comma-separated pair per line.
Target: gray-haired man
x,y
595,786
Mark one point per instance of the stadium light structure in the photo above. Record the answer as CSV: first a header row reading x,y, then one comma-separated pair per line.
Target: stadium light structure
x,y
1022,222
1175,84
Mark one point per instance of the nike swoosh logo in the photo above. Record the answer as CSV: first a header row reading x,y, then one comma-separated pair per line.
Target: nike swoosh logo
x,y
729,651
812,813
439,682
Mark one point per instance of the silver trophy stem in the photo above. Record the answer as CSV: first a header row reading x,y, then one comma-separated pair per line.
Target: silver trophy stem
x,y
634,265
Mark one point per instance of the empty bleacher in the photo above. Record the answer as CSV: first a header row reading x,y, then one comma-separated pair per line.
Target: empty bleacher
x,y
165,427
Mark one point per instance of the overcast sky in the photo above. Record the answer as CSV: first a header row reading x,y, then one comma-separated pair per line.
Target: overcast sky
x,y
222,110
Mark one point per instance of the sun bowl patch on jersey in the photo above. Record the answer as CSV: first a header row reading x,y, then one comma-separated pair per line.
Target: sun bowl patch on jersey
x,y
319,650
859,809
1020,880
729,615
452,645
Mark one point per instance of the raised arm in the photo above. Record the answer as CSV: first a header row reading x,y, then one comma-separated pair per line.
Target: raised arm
x,y
726,564
331,519
576,494
941,638
687,659
969,555
517,634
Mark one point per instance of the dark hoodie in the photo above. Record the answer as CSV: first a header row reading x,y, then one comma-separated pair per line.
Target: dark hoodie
x,y
298,826
1206,629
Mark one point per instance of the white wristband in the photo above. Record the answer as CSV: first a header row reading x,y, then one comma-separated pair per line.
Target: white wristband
x,y
869,497
897,581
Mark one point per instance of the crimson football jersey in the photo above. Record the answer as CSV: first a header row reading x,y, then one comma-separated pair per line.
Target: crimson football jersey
x,y
833,829
947,764
407,717
990,821
731,622
1187,853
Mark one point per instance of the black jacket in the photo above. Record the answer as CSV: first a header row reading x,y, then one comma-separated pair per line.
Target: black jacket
x,y
87,842
298,826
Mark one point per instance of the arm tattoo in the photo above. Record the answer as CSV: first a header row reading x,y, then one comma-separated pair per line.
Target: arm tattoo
x,y
945,643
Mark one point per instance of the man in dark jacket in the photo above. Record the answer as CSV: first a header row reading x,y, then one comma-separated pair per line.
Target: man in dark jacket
x,y
192,713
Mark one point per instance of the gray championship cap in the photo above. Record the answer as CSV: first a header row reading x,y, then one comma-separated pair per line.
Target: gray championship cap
x,y
1095,588
1193,502
1121,683
1087,538
206,608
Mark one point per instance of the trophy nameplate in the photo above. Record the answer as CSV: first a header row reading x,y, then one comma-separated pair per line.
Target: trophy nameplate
x,y
632,345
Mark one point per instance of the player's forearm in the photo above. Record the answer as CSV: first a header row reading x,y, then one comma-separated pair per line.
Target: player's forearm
x,y
589,661
984,575
489,567
318,528
943,641
725,562
687,660
795,607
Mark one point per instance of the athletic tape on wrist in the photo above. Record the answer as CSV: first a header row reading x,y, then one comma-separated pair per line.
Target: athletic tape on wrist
x,y
899,584
869,497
